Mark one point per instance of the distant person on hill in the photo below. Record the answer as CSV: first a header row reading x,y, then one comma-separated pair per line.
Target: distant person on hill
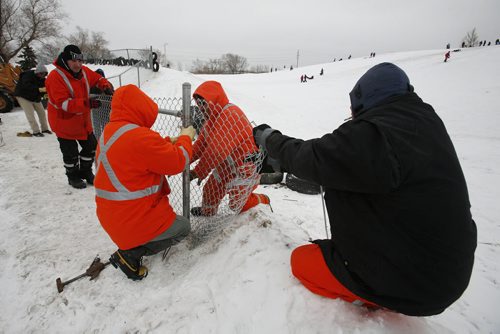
x,y
446,56
131,188
463,44
69,113
321,72
29,91
225,151
497,42
402,234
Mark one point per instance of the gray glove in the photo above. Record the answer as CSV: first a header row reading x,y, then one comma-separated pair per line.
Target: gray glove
x,y
260,134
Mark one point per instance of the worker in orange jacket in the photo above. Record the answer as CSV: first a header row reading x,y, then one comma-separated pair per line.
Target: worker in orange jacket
x,y
131,188
225,147
68,109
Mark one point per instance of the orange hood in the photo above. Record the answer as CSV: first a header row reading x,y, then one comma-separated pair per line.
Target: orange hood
x,y
213,93
132,105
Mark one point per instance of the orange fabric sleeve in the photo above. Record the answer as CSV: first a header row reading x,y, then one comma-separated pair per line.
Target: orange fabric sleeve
x,y
161,156
219,144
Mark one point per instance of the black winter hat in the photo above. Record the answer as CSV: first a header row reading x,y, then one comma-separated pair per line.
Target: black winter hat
x,y
72,52
101,72
376,85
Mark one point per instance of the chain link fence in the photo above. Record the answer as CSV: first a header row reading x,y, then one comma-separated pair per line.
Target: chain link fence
x,y
227,157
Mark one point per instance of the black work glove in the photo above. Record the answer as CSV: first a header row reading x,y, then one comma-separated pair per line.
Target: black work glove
x,y
94,103
270,165
109,91
260,134
194,176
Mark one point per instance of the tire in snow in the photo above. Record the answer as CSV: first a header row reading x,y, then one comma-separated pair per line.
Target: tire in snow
x,y
271,178
300,185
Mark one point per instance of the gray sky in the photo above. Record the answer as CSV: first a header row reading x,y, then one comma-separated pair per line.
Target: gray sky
x,y
270,32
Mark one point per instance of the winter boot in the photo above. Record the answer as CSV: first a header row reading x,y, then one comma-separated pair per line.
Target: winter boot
x,y
198,211
74,178
86,170
130,262
254,200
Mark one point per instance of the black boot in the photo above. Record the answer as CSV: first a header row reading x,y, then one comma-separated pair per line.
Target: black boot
x,y
130,262
86,170
198,211
74,178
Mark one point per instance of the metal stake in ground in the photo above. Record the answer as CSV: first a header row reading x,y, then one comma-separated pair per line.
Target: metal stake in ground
x,y
93,271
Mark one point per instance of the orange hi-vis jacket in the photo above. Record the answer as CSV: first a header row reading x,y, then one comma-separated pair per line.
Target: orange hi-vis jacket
x,y
226,135
68,108
132,160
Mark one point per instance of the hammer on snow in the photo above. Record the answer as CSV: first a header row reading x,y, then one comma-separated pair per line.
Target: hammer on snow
x,y
93,271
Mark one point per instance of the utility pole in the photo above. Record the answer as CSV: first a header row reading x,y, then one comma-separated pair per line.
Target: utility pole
x,y
165,54
298,58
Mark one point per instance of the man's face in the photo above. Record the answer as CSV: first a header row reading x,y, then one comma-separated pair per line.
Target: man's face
x,y
75,65
203,105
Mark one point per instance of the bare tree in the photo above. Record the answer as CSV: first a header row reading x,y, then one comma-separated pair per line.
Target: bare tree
x,y
211,66
234,63
259,69
50,49
471,38
93,44
25,21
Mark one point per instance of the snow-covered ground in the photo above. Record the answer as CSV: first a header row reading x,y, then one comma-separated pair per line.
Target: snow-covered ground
x,y
239,281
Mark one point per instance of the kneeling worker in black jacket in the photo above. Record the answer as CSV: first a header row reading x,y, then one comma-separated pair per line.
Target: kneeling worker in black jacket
x,y
402,233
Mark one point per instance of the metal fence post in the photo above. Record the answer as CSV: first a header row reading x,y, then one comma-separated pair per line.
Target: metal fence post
x,y
138,77
186,121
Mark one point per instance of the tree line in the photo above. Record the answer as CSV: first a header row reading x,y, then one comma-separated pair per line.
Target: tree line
x,y
228,63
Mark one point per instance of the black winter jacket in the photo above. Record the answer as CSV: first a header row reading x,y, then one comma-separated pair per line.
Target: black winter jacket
x,y
402,232
27,86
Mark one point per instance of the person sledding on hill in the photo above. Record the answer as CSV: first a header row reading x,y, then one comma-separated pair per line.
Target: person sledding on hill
x,y
130,184
402,234
226,147
446,56
69,106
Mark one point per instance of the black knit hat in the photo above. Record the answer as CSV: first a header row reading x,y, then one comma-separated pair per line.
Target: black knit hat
x,y
376,85
72,52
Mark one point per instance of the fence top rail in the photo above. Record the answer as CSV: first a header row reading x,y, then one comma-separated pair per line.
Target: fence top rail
x,y
129,49
176,113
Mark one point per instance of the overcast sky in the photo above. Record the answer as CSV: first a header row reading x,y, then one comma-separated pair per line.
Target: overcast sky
x,y
270,32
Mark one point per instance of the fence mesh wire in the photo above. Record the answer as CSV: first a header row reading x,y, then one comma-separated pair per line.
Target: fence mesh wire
x,y
229,161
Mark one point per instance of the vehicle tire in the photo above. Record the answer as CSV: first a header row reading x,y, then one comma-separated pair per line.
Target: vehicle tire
x,y
300,185
271,178
6,103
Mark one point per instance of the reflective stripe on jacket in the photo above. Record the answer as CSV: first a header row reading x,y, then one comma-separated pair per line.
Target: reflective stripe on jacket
x,y
68,108
123,194
131,190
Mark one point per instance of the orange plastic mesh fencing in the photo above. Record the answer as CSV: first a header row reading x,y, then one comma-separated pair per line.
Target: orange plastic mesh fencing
x,y
227,161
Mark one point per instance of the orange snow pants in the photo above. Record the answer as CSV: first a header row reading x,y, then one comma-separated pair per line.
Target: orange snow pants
x,y
310,268
241,197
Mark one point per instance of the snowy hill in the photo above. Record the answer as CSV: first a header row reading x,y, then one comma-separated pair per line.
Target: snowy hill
x,y
240,281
